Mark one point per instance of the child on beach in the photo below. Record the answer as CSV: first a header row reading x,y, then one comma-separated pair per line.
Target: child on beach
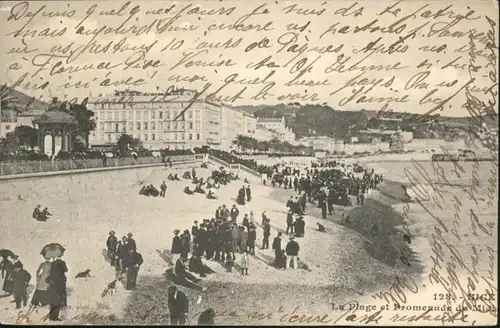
x,y
244,263
229,264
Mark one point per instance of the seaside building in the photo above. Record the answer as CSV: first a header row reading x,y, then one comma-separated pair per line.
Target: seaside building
x,y
283,132
151,117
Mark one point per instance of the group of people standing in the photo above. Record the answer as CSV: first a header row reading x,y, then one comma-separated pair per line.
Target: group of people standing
x,y
123,256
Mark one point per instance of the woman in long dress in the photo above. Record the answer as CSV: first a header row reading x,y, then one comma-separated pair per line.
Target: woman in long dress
x,y
42,273
56,293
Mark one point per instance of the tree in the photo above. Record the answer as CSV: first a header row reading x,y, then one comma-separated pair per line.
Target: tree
x,y
84,116
126,142
22,136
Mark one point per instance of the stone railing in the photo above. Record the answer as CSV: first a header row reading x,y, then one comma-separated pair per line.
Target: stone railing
x,y
14,168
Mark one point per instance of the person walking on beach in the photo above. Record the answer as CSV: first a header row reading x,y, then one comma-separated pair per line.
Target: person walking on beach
x,y
292,251
163,189
178,306
248,193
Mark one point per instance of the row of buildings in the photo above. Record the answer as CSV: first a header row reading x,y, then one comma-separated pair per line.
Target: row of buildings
x,y
167,120
174,121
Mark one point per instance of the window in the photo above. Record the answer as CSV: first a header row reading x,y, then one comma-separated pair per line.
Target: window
x,y
167,113
153,115
145,125
153,125
197,136
161,115
190,136
109,137
117,114
160,125
167,126
145,115
130,115
137,116
130,126
145,137
175,136
153,137
190,126
108,116
182,136
175,126
138,126
182,126
117,128
190,115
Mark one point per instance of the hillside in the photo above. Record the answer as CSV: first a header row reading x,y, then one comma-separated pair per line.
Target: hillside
x,y
318,119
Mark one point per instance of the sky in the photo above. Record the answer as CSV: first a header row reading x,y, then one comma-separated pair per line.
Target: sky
x,y
403,88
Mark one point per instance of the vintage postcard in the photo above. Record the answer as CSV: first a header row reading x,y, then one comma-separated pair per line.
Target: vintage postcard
x,y
249,162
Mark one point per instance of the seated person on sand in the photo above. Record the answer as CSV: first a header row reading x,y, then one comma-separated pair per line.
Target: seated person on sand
x,y
170,177
44,215
211,195
143,191
321,228
196,180
196,265
187,175
204,165
176,177
37,212
153,191
246,180
199,189
183,277
188,191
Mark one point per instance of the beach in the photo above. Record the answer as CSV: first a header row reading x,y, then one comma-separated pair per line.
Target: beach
x,y
346,264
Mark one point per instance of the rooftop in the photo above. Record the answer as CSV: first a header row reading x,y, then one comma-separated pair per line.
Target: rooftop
x,y
55,117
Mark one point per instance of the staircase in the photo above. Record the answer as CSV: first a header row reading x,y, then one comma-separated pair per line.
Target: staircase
x,y
242,170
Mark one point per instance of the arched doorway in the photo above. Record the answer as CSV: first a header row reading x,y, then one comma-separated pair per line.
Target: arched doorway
x,y
47,145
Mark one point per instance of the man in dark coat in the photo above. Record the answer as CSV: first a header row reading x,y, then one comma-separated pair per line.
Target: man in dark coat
x,y
178,306
267,234
248,193
134,263
225,213
131,242
112,243
194,233
252,237
21,279
292,251
163,188
241,196
218,213
289,222
122,255
234,213
202,240
183,277
277,248
176,249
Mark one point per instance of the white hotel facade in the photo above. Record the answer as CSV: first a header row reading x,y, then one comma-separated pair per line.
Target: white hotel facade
x,y
150,118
